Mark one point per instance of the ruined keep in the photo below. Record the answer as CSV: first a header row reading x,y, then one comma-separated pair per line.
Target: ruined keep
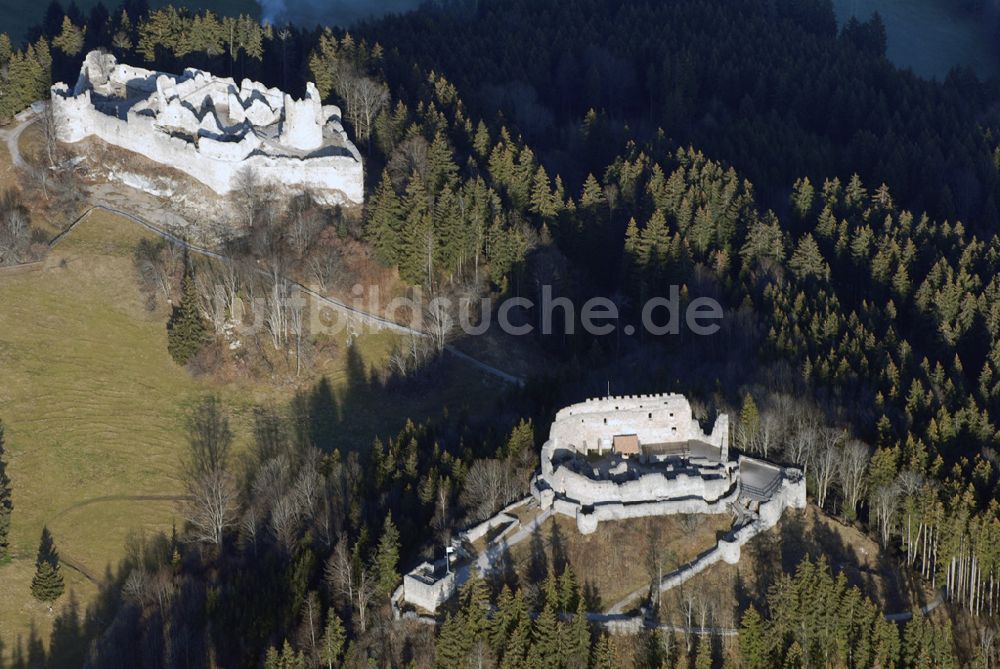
x,y
211,128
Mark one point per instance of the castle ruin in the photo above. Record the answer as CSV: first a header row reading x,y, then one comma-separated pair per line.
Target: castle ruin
x,y
646,455
211,128
616,458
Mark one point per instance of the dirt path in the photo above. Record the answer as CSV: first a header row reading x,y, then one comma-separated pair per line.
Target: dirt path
x,y
120,498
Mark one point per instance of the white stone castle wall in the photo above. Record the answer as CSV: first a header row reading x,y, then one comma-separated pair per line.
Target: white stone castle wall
x,y
648,487
655,419
335,179
428,596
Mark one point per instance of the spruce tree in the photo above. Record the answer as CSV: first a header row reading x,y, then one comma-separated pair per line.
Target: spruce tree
x,y
6,501
387,558
568,591
807,260
703,659
592,194
331,644
47,585
753,641
70,40
749,425
517,646
186,333
546,647
802,197
602,656
578,638
452,644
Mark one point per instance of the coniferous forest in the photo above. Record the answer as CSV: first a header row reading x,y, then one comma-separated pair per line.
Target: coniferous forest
x,y
843,211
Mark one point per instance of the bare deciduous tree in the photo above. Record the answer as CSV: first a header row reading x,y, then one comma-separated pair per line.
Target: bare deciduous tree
x,y
439,321
213,506
309,483
442,510
365,99
286,515
852,473
213,498
339,571
803,437
885,503
488,486
364,593
251,196
409,157
15,228
825,459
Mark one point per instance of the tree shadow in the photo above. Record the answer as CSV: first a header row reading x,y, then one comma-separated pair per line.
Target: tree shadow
x,y
592,596
538,562
557,546
504,571
67,645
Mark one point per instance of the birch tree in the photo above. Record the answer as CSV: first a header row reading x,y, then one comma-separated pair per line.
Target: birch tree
x,y
852,474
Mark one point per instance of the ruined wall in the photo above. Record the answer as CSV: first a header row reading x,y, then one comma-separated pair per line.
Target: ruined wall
x,y
648,487
665,418
213,154
427,595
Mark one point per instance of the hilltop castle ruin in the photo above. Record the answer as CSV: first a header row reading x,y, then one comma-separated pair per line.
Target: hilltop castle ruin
x,y
211,128
615,458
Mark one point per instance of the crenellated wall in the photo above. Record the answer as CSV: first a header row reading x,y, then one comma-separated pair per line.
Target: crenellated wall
x,y
663,418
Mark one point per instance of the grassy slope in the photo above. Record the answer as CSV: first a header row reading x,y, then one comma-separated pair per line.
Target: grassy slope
x,y
93,407
91,402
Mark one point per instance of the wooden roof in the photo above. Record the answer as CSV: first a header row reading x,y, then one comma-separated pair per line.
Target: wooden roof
x,y
625,444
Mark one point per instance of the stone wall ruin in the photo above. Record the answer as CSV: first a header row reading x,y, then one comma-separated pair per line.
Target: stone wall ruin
x,y
211,128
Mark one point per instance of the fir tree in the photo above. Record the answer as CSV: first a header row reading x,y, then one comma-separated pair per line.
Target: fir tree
x,y
802,197
186,333
602,656
577,646
546,646
753,641
47,585
331,644
807,260
70,39
387,558
703,658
